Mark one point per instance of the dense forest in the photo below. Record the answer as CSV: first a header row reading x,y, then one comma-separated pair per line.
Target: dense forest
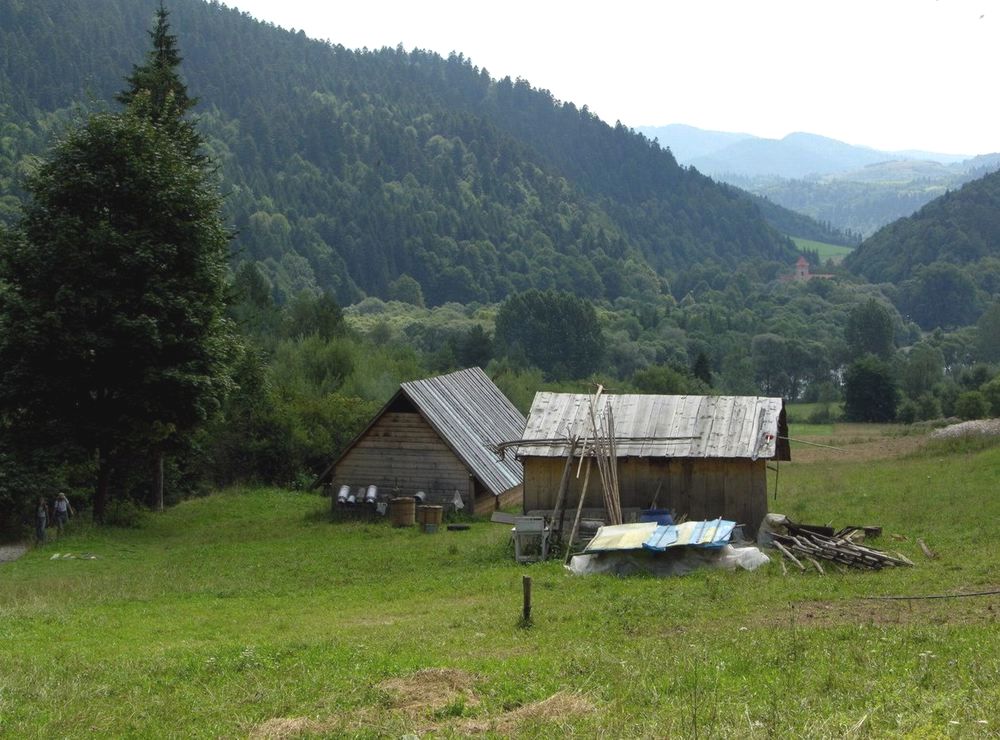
x,y
959,228
794,223
944,260
858,207
395,214
346,169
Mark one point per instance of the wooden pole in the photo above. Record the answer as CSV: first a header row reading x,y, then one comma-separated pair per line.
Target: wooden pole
x,y
557,512
158,481
579,512
526,586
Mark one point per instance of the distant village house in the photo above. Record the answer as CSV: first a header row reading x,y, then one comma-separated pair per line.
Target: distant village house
x,y
802,272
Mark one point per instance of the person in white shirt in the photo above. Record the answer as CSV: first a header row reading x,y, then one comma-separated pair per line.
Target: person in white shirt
x,y
63,510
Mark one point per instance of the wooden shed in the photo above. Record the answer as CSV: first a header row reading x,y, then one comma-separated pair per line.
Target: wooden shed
x,y
701,456
435,435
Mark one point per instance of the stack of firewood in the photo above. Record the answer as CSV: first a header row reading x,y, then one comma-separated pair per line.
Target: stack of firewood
x,y
813,547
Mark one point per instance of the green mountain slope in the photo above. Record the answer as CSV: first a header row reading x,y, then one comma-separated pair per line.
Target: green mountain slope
x,y
960,228
945,258
346,169
866,199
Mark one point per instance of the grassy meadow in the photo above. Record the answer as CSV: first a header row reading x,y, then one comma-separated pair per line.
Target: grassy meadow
x,y
826,251
249,614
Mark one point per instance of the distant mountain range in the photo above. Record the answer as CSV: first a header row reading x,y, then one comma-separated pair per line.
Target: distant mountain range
x,y
853,188
797,155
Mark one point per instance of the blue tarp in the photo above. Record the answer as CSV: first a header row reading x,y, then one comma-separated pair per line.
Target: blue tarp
x,y
712,534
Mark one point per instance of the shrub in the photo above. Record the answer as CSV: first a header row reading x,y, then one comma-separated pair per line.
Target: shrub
x,y
991,393
928,407
824,414
124,513
907,413
971,405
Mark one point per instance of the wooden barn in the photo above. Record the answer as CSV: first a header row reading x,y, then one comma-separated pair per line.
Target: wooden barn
x,y
701,456
435,435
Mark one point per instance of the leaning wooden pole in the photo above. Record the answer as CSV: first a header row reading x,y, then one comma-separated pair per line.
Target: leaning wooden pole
x,y
579,512
557,512
613,466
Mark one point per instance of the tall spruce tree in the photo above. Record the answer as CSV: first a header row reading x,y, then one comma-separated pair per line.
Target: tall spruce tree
x,y
156,90
112,334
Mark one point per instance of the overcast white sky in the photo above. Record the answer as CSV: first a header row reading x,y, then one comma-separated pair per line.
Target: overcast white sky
x,y
890,74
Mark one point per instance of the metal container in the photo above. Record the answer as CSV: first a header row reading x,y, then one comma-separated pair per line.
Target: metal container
x,y
343,493
420,497
371,494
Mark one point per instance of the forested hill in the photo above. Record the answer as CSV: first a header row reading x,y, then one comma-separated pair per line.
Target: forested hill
x,y
347,169
960,228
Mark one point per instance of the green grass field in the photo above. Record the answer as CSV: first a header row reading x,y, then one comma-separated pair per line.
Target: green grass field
x,y
803,413
826,251
248,613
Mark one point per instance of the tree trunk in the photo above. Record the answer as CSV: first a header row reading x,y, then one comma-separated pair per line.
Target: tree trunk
x,y
103,484
158,481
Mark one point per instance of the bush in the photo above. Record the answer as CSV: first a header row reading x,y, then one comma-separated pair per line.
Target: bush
x,y
971,405
824,414
124,513
907,413
991,393
928,407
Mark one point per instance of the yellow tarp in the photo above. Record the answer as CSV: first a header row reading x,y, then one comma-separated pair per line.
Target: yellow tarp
x,y
621,537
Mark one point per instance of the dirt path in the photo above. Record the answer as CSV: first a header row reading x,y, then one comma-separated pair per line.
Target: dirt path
x,y
9,553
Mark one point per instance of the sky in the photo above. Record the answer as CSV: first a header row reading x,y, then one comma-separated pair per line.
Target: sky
x,y
889,74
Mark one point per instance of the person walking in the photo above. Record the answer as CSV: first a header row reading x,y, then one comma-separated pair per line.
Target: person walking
x,y
41,520
63,511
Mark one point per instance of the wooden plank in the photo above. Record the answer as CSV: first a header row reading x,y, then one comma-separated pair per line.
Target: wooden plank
x,y
784,551
714,474
697,494
563,486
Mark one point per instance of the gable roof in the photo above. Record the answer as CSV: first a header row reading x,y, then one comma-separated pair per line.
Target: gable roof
x,y
663,426
471,415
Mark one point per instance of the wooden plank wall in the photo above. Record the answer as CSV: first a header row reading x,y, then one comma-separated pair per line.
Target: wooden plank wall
x,y
487,503
402,451
702,489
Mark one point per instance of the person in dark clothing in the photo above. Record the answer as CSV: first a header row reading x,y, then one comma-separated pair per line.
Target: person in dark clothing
x,y
41,520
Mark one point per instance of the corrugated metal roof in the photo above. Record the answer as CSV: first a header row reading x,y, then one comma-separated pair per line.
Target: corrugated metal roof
x,y
663,426
472,415
713,533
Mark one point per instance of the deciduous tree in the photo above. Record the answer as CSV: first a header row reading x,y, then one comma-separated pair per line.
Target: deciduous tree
x,y
869,330
554,331
870,391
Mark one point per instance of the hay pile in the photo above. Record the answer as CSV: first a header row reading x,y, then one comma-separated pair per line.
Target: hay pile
x,y
417,702
979,428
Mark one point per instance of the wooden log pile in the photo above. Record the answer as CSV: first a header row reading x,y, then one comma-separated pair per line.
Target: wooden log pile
x,y
813,546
